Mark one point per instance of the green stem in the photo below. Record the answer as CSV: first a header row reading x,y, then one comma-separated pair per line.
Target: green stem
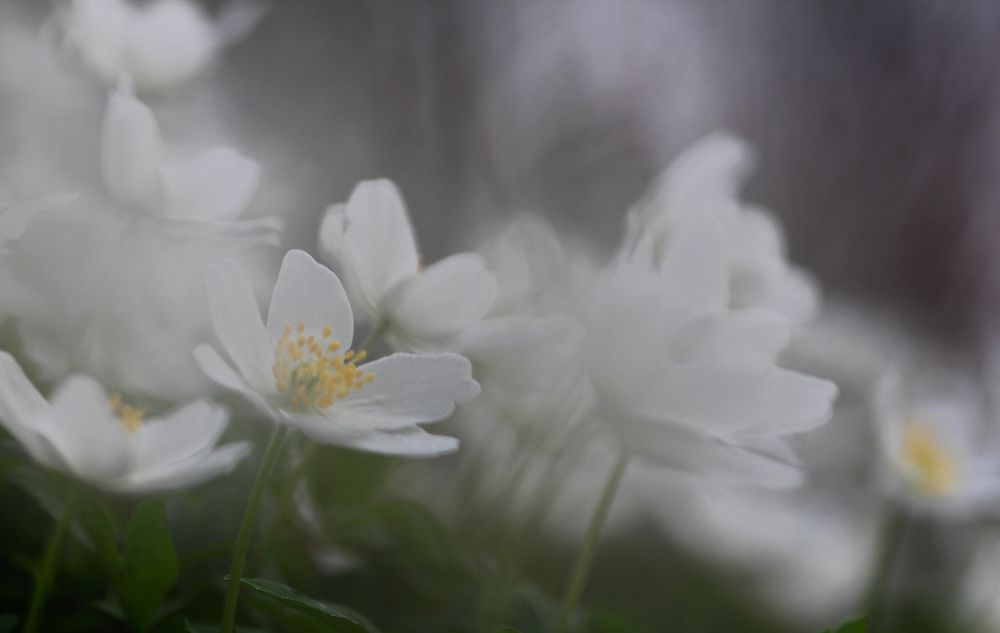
x,y
46,570
246,527
890,542
582,568
273,531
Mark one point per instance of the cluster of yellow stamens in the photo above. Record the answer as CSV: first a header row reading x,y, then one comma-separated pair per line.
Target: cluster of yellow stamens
x,y
311,371
933,468
131,417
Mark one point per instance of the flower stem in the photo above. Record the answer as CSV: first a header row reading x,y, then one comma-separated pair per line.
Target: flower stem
x,y
273,531
894,524
46,570
246,527
582,568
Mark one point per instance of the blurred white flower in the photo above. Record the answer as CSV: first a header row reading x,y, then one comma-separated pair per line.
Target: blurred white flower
x,y
531,332
808,554
112,286
15,214
109,444
204,193
300,371
705,180
934,456
686,380
160,44
371,242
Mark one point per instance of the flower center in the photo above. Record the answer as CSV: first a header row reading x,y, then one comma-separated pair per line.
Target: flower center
x,y
929,463
130,417
311,371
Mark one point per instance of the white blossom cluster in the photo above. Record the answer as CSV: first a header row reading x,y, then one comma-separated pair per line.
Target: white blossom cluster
x,y
133,258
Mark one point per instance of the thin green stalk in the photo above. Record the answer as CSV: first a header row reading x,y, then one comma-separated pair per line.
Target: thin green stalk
x,y
586,557
284,507
46,570
879,587
246,527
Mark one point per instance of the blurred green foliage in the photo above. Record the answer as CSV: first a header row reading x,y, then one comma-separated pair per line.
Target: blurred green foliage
x,y
338,548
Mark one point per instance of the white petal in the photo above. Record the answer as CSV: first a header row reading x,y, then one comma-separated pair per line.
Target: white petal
x,y
191,471
511,336
766,463
633,320
237,323
696,261
97,29
91,439
722,399
744,336
334,249
408,389
215,185
131,150
446,298
322,428
378,242
220,371
408,442
711,170
24,412
15,214
795,402
795,295
178,435
168,42
309,293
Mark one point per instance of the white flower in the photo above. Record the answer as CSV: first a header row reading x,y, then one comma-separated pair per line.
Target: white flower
x,y
203,193
686,380
933,457
113,286
101,440
371,242
299,369
160,44
15,214
705,180
804,553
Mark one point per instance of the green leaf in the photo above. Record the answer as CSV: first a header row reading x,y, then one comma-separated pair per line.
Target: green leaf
x,y
858,625
608,622
102,531
7,623
338,619
174,624
149,564
47,492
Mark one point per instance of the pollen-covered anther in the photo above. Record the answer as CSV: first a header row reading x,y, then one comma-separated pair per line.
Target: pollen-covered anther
x,y
932,466
311,373
130,417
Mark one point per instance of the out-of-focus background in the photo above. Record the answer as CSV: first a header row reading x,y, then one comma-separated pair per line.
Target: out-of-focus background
x,y
875,125
877,132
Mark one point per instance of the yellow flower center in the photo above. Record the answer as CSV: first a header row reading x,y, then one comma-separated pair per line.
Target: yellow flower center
x,y
929,463
311,371
130,417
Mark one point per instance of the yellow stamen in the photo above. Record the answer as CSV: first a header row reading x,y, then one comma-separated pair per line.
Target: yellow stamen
x,y
312,375
130,417
931,465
